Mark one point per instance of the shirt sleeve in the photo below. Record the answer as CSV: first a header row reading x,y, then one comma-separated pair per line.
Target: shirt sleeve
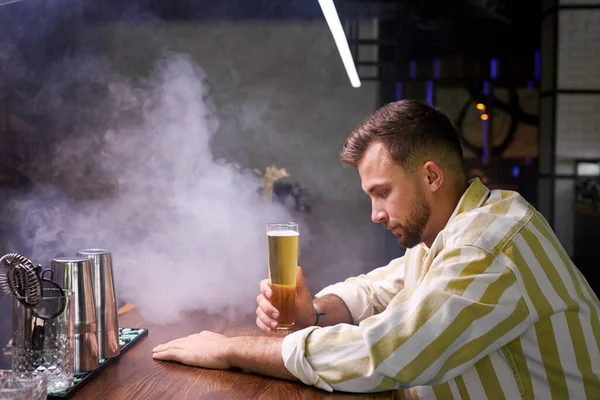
x,y
369,294
467,306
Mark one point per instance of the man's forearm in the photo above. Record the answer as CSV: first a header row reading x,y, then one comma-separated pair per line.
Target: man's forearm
x,y
262,354
258,354
336,311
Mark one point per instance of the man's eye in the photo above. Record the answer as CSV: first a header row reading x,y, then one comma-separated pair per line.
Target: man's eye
x,y
383,194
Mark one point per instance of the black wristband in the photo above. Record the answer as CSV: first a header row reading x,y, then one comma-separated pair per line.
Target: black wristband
x,y
319,314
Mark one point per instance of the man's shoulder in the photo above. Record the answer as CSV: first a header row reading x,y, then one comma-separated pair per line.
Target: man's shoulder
x,y
492,225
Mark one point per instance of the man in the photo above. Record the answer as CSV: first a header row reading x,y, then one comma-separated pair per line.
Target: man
x,y
484,304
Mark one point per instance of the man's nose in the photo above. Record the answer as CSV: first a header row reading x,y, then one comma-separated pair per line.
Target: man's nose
x,y
378,216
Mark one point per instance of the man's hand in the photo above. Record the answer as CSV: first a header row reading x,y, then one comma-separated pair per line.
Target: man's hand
x,y
267,315
205,349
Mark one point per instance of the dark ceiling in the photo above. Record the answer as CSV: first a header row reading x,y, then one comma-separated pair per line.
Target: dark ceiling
x,y
423,27
228,10
418,28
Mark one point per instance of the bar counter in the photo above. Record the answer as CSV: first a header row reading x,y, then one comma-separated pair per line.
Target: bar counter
x,y
135,375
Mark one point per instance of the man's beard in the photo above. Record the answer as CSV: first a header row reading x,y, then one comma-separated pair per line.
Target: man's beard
x,y
412,232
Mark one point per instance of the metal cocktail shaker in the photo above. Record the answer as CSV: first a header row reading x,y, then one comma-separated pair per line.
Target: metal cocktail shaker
x,y
106,301
75,274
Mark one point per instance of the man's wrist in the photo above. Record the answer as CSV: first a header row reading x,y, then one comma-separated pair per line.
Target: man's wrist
x,y
319,314
230,349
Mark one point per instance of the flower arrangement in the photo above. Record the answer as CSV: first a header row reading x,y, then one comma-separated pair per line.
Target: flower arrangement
x,y
276,188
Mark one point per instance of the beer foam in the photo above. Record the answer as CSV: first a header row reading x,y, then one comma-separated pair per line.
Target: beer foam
x,y
283,233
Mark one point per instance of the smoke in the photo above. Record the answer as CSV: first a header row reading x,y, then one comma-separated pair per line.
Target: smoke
x,y
136,174
117,150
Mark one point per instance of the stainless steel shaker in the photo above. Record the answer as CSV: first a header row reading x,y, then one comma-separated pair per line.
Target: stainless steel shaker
x,y
76,274
107,310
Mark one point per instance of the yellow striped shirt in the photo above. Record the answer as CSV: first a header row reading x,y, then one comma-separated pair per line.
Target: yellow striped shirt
x,y
494,309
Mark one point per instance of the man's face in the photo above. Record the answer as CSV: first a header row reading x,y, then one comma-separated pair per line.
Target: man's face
x,y
398,202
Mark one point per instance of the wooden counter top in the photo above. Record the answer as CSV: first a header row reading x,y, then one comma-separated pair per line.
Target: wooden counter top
x,y
135,375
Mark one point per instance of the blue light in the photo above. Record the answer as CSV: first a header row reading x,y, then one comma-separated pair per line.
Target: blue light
x,y
516,171
486,138
413,69
493,68
529,85
537,65
398,91
436,68
486,133
430,92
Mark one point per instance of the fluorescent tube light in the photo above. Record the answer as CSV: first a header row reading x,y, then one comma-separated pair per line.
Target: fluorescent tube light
x,y
339,36
6,2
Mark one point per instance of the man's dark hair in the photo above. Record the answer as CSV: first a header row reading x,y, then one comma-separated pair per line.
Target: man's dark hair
x,y
412,131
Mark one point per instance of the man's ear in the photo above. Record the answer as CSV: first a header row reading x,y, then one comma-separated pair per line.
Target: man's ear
x,y
434,175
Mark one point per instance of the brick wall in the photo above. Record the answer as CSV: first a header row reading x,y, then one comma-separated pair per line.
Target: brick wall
x,y
577,106
579,49
578,126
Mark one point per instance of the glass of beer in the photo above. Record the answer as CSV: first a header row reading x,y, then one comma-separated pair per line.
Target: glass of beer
x,y
283,239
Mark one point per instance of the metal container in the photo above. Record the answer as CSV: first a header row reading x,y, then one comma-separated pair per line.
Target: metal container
x,y
76,274
107,310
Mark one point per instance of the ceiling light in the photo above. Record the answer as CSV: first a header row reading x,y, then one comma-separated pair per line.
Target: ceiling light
x,y
339,36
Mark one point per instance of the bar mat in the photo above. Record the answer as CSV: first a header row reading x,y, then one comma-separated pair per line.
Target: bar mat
x,y
128,337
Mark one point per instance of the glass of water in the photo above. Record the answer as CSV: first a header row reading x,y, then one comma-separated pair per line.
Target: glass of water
x,y
45,346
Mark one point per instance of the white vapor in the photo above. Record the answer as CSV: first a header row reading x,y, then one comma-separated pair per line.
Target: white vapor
x,y
186,231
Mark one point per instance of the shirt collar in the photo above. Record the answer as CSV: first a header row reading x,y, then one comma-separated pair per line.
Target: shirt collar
x,y
475,195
